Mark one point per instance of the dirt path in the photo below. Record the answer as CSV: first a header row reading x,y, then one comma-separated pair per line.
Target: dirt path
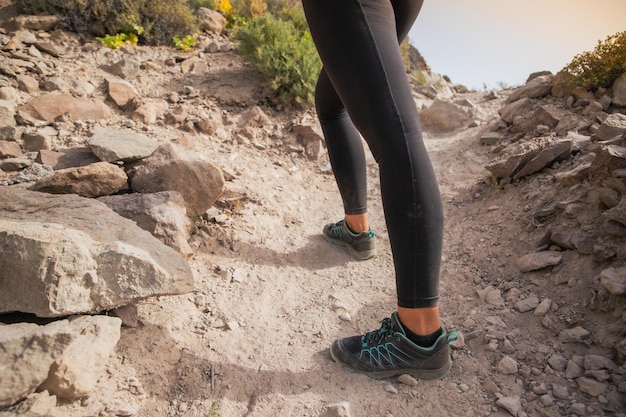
x,y
272,295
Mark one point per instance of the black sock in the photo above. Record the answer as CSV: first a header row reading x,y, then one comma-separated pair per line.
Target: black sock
x,y
423,341
352,231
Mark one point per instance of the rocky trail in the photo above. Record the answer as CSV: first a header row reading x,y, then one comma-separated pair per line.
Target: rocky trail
x,y
533,274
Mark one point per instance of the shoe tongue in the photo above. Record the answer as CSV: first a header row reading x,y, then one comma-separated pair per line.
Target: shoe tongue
x,y
396,325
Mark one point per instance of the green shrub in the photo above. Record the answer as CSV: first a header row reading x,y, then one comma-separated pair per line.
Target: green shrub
x,y
276,6
196,4
405,48
185,43
166,19
295,15
249,8
161,20
602,66
420,77
283,54
121,39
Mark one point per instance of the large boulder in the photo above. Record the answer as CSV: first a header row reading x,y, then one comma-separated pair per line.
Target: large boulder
x,y
211,20
517,108
9,149
444,117
115,145
121,92
75,372
49,106
26,353
93,180
64,254
548,115
619,91
65,357
535,88
162,214
515,157
7,120
67,158
614,125
171,168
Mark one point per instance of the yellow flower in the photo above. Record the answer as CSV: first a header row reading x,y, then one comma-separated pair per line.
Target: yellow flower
x,y
225,6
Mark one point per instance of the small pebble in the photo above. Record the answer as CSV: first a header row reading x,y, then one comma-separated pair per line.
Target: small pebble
x,y
507,347
408,380
547,400
391,389
507,366
345,316
492,346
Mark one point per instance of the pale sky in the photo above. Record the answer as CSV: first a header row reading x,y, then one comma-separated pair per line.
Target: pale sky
x,y
476,42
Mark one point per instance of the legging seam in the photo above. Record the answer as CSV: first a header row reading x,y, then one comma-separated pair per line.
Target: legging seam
x,y
397,112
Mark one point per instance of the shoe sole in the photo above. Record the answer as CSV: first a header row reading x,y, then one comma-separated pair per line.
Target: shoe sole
x,y
424,374
358,255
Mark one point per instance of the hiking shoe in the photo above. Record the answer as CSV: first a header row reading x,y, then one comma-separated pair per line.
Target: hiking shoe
x,y
387,352
361,246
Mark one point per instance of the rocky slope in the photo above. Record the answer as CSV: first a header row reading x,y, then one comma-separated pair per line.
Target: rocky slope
x,y
250,297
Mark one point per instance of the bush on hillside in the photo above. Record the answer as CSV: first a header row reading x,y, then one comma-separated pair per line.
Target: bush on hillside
x,y
196,4
249,8
295,15
276,6
161,20
283,54
75,15
600,67
165,19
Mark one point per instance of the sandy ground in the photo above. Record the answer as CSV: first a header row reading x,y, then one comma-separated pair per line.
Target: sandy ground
x,y
271,296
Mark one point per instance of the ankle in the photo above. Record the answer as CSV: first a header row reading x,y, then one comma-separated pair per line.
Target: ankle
x,y
420,321
357,223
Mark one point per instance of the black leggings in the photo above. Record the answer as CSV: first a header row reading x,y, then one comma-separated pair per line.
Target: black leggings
x,y
363,90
